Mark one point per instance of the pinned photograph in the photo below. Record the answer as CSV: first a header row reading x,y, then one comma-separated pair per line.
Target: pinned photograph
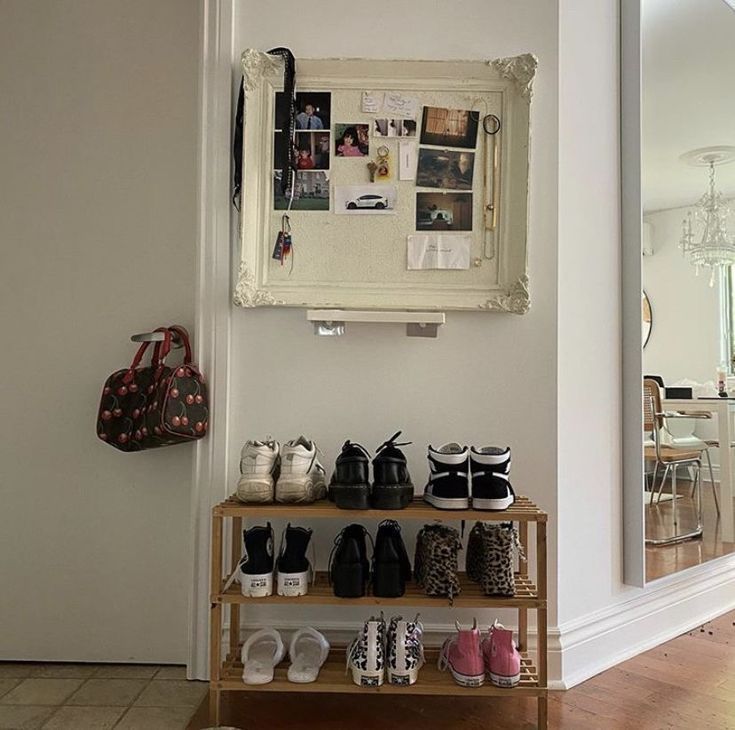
x,y
365,199
311,191
445,169
313,110
443,211
449,127
394,127
351,140
312,150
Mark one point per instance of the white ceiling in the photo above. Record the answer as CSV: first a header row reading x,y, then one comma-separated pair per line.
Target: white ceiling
x,y
688,96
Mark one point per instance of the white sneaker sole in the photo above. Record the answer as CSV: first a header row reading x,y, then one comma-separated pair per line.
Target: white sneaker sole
x,y
256,586
468,680
495,504
500,680
293,584
254,490
405,678
363,678
300,489
446,503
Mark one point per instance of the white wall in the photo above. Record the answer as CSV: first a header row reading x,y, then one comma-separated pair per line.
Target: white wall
x,y
488,378
97,213
685,338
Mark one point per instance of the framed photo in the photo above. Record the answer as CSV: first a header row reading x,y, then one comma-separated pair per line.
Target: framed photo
x,y
449,127
445,169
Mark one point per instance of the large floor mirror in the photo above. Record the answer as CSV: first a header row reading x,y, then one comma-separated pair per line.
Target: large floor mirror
x,y
686,292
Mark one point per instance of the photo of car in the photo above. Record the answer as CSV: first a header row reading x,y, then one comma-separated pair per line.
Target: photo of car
x,y
378,202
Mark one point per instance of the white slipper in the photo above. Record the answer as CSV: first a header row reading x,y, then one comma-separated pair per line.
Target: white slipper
x,y
308,651
260,654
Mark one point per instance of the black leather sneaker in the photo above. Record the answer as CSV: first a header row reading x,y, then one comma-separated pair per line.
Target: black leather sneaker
x,y
391,566
292,565
349,487
349,567
449,479
256,566
491,488
392,485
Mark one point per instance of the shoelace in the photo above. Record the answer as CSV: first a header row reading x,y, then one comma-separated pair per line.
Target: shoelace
x,y
392,442
349,444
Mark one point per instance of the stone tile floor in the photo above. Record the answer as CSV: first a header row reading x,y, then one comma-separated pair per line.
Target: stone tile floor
x,y
96,697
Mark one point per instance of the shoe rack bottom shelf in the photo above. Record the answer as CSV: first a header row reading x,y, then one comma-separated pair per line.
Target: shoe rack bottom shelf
x,y
333,679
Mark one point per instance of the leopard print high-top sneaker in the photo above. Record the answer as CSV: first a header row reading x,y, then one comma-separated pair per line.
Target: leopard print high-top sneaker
x,y
366,654
405,650
491,552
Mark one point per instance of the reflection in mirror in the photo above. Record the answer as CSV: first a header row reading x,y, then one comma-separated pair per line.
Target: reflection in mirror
x,y
688,140
646,318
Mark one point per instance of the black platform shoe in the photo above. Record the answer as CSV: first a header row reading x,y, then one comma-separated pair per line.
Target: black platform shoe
x,y
392,485
349,566
391,566
349,487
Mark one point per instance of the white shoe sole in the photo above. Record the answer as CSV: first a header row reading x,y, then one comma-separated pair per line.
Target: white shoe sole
x,y
468,680
254,490
363,678
500,680
445,503
495,504
300,489
407,677
256,586
293,584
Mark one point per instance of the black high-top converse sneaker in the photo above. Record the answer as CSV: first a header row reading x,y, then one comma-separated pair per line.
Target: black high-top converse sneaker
x,y
256,566
491,488
391,566
349,487
349,567
449,482
392,485
366,654
292,565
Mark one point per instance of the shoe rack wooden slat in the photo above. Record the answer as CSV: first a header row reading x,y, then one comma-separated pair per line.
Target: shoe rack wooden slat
x,y
225,666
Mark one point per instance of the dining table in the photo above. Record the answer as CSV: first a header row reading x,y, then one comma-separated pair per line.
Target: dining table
x,y
722,409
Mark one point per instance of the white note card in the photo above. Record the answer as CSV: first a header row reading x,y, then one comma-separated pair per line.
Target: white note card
x,y
406,160
439,251
372,101
396,104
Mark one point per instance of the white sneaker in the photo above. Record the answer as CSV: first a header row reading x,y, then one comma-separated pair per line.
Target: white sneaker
x,y
259,466
302,477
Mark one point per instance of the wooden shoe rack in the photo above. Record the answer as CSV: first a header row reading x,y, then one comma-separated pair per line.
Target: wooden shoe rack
x,y
225,665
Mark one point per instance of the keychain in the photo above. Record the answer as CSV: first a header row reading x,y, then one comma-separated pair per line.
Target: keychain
x,y
383,170
283,246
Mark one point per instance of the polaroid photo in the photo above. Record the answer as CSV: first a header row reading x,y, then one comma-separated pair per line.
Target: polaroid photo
x,y
445,169
449,127
443,211
394,127
365,199
313,111
311,191
351,140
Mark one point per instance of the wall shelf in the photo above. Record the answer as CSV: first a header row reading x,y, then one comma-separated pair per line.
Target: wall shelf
x,y
332,321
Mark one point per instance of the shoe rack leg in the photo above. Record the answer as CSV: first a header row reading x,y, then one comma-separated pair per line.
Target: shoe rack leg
x,y
523,570
215,626
235,607
541,621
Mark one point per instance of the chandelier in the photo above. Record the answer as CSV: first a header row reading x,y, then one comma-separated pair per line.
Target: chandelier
x,y
705,240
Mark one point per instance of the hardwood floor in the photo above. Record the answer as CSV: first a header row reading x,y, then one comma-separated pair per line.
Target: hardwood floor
x,y
667,559
687,683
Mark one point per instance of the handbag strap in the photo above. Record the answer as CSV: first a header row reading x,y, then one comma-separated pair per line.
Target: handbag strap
x,y
184,337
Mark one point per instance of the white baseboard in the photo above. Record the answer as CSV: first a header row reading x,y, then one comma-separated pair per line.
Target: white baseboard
x,y
668,608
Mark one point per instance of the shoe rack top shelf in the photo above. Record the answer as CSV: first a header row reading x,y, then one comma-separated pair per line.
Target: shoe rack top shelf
x,y
522,510
470,596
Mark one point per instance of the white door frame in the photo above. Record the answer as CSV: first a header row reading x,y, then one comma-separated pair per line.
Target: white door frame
x,y
213,304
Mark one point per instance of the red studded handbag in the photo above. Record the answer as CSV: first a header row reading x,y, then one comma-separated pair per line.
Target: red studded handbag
x,y
156,405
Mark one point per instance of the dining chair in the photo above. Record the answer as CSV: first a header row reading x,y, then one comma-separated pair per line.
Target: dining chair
x,y
670,458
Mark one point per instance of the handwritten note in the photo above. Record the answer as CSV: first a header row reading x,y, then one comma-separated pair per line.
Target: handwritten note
x,y
372,101
439,251
397,105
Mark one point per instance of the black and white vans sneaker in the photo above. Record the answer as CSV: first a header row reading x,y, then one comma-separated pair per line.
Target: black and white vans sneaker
x,y
349,487
256,566
392,485
366,654
293,567
490,468
449,481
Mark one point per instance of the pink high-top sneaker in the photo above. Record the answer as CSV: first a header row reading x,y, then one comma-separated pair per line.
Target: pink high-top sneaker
x,y
502,660
463,655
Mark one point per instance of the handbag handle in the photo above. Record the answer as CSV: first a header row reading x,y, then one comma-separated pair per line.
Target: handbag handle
x,y
183,335
161,346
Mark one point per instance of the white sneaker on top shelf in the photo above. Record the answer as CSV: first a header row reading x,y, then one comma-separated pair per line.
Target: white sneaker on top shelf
x,y
259,468
302,477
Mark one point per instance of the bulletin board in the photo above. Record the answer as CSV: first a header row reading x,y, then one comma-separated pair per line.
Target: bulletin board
x,y
443,223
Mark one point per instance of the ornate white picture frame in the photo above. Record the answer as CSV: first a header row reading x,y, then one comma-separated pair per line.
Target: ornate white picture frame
x,y
359,262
